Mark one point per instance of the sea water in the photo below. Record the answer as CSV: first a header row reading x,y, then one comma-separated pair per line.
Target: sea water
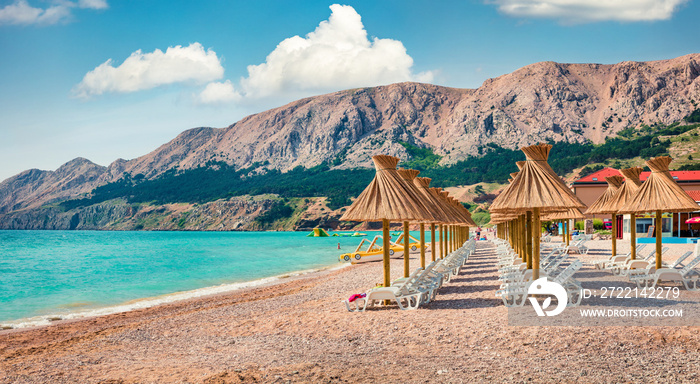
x,y
47,275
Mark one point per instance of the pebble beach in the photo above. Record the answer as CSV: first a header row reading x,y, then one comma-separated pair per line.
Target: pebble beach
x,y
298,331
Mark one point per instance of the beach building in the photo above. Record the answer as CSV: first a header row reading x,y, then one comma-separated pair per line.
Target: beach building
x,y
590,187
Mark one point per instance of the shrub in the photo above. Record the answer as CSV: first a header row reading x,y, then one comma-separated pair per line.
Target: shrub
x,y
598,224
579,225
279,210
694,117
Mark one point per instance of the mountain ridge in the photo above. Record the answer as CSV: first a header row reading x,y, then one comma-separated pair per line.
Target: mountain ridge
x,y
544,101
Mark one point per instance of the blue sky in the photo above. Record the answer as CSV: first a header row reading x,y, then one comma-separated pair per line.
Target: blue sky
x,y
105,79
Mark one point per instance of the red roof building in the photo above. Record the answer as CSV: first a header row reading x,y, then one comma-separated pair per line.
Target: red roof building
x,y
589,188
599,177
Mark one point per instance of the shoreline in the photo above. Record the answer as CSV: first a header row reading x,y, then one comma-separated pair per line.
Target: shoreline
x,y
153,301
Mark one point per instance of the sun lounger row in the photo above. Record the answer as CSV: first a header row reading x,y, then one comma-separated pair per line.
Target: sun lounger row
x,y
624,265
516,278
687,275
602,263
420,287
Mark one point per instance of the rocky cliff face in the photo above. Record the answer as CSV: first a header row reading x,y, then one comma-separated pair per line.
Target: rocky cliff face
x,y
237,213
542,101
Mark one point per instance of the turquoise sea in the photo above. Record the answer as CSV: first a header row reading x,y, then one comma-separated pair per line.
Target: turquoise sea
x,y
69,274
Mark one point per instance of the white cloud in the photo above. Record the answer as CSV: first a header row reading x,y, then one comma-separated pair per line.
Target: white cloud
x,y
218,93
335,56
93,4
21,13
142,71
586,11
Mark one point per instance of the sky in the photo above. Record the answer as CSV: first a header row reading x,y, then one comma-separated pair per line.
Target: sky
x,y
109,79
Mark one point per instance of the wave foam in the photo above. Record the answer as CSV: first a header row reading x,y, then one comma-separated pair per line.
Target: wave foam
x,y
158,300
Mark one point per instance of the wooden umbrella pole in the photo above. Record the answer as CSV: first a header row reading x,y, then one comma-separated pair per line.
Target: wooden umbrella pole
x,y
516,238
422,245
386,245
432,241
521,237
406,261
525,239
444,236
568,232
633,236
516,235
511,236
447,239
442,243
614,234
536,243
450,238
658,240
528,246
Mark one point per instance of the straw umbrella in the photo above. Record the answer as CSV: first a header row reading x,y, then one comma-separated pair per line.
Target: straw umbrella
x,y
659,193
466,222
442,212
536,187
453,217
387,198
457,217
598,207
628,189
410,176
436,192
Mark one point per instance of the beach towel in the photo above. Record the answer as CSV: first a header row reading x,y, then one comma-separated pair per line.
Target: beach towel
x,y
357,296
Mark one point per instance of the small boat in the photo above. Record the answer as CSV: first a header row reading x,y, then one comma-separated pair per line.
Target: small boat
x,y
413,243
372,253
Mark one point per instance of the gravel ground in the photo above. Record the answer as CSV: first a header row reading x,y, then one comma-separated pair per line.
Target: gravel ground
x,y
298,331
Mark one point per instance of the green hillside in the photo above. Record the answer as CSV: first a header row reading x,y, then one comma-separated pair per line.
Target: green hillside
x,y
218,180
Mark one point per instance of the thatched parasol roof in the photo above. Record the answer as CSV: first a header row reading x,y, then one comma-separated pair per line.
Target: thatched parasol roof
x,y
455,217
614,183
434,205
388,196
461,211
660,192
461,217
497,218
536,186
572,213
625,192
444,212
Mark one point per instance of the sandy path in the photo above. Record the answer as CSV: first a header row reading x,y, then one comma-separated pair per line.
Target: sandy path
x,y
298,331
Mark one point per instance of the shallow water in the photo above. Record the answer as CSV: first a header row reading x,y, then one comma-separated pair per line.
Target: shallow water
x,y
47,274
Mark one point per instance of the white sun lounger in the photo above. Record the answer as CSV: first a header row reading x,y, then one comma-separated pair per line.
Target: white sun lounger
x,y
636,264
684,276
601,263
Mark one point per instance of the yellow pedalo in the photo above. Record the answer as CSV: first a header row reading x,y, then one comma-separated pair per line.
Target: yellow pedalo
x,y
372,253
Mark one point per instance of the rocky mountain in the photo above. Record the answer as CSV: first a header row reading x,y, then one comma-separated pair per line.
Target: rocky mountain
x,y
542,101
236,213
